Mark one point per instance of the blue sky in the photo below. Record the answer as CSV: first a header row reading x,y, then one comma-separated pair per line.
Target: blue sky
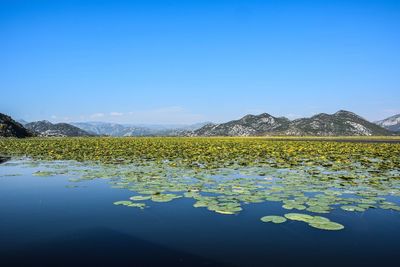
x,y
189,61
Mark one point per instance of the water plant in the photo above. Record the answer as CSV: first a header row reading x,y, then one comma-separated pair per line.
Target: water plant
x,y
273,219
223,175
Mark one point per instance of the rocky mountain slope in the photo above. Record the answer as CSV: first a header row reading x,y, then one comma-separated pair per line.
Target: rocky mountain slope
x,y
341,123
11,128
46,128
392,123
247,126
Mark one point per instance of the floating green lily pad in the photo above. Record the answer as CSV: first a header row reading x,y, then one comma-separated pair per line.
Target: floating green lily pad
x,y
44,173
273,219
299,217
291,206
319,219
331,226
123,203
128,203
352,208
138,198
164,197
318,209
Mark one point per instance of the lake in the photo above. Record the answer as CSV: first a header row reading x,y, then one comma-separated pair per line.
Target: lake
x,y
51,216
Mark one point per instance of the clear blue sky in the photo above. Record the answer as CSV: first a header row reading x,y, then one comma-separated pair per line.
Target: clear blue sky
x,y
190,61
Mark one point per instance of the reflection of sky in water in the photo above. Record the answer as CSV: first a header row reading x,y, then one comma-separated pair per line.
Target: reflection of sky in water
x,y
37,210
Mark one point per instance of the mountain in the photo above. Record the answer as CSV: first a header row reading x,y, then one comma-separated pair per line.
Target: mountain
x,y
46,128
112,129
115,129
163,127
11,128
341,123
392,123
249,125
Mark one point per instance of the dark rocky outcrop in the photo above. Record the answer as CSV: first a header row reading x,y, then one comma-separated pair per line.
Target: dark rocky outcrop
x,y
11,128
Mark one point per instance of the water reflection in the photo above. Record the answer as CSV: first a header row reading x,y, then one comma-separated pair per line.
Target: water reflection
x,y
46,221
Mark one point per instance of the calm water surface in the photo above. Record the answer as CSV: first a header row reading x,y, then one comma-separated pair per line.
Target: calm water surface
x,y
46,222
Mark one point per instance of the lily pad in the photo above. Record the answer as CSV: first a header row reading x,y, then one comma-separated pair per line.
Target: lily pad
x,y
164,197
123,203
292,206
299,217
138,198
352,208
44,173
331,226
273,219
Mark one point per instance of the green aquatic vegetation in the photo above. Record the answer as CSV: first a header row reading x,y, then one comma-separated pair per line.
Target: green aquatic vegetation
x,y
318,209
190,194
224,175
352,208
211,153
201,204
222,205
224,209
137,205
319,219
164,197
123,203
389,206
290,206
366,206
130,204
44,173
331,226
138,198
273,219
318,222
299,217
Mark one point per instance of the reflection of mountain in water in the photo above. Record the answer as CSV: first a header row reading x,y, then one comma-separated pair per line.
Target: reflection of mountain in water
x,y
3,159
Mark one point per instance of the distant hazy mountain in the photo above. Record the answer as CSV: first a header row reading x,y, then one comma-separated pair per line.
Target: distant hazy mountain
x,y
392,123
342,123
23,122
11,128
162,127
111,129
46,128
114,129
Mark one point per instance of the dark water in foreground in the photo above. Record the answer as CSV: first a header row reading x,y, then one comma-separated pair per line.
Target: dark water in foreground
x,y
43,222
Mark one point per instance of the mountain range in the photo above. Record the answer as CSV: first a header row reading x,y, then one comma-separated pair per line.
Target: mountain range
x,y
115,129
341,123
